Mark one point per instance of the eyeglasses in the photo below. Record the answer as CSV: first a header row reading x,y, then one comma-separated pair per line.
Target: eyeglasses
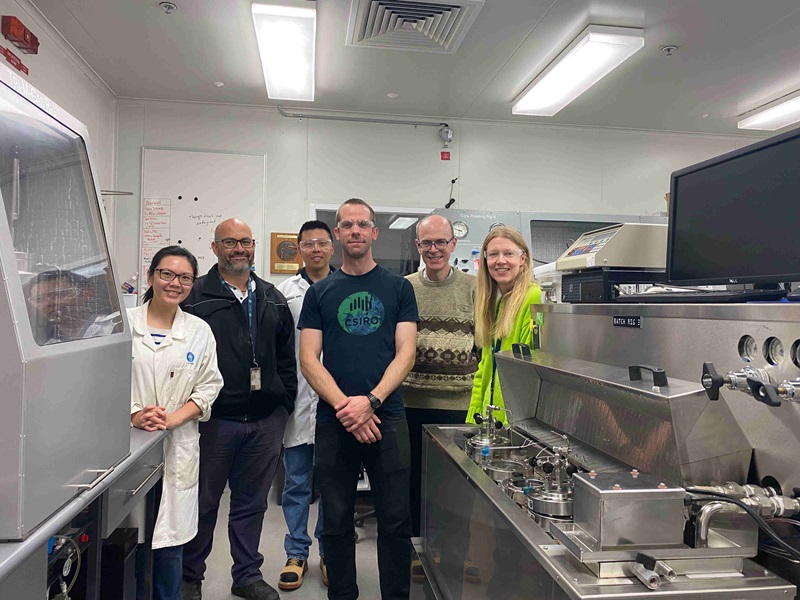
x,y
507,254
439,244
167,275
322,244
52,296
231,243
362,224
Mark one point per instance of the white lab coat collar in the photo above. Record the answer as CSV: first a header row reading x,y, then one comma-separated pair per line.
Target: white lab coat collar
x,y
139,324
295,283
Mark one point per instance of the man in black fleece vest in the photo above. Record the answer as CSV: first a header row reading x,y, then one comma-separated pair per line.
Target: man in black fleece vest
x,y
242,442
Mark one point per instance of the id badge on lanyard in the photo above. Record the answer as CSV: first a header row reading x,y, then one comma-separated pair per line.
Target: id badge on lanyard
x,y
255,379
255,370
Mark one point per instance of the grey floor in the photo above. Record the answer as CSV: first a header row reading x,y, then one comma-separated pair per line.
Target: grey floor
x,y
217,585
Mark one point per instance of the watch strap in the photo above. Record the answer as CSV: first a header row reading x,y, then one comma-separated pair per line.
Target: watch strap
x,y
374,401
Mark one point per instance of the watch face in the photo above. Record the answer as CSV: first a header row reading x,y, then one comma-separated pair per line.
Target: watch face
x,y
460,229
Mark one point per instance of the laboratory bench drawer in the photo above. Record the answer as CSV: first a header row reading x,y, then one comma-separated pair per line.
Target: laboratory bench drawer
x,y
131,488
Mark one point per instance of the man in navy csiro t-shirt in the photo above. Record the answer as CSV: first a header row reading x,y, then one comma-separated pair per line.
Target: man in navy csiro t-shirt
x,y
363,320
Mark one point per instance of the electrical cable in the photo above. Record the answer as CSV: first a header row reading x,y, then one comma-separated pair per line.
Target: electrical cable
x,y
774,552
762,524
794,522
77,561
452,200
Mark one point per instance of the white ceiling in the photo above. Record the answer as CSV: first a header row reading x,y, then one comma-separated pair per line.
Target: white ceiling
x,y
733,56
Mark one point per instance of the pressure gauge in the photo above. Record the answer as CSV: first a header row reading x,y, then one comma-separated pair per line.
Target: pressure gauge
x,y
773,351
496,224
748,349
460,229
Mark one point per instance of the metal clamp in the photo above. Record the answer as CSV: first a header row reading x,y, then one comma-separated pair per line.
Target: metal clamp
x,y
156,469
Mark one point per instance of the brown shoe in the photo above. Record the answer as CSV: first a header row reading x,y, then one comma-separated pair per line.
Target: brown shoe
x,y
292,574
324,569
417,572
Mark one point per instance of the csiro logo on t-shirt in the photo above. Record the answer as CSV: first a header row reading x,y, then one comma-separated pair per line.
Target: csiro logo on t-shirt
x,y
361,313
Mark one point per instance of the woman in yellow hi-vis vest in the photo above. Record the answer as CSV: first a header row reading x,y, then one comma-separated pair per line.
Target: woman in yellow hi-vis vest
x,y
503,301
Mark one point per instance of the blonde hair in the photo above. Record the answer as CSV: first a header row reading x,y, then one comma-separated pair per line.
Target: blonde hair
x,y
488,324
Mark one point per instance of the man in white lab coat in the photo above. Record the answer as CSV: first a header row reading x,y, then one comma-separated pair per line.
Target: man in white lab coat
x,y
316,248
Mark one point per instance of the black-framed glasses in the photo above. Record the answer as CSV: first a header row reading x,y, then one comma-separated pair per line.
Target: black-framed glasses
x,y
167,275
320,243
439,244
231,242
362,224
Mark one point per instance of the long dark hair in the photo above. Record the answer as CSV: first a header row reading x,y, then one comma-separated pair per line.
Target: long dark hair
x,y
159,256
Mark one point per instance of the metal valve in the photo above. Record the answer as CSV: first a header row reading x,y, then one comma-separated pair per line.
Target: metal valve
x,y
749,380
487,420
764,392
789,390
772,394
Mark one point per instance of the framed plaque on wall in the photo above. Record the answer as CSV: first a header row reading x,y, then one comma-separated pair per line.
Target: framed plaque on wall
x,y
284,254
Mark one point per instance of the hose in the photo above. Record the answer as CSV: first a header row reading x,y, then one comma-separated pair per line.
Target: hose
x,y
783,549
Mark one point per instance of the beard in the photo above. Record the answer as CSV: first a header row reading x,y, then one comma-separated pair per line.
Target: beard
x,y
226,264
346,249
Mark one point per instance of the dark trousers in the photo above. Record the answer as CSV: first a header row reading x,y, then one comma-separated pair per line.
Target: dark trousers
x,y
417,417
167,573
339,457
243,455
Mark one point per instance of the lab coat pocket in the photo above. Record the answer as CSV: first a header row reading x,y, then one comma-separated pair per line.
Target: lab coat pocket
x,y
183,382
183,467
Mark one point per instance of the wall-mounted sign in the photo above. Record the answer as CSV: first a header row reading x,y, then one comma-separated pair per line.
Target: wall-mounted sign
x,y
284,254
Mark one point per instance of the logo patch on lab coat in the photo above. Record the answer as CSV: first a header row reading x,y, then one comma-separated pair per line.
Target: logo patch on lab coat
x,y
190,358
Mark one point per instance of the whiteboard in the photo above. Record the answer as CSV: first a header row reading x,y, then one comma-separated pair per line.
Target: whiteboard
x,y
187,193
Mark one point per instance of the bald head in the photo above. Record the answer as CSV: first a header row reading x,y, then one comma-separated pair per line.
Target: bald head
x,y
433,222
227,228
435,243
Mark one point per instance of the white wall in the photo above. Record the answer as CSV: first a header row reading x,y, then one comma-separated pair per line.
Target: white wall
x,y
61,74
500,166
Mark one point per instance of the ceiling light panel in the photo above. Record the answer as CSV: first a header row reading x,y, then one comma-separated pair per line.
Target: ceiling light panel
x,y
596,52
286,35
420,25
775,115
403,222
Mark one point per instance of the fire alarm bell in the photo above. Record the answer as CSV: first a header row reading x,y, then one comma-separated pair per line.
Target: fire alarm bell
x,y
19,35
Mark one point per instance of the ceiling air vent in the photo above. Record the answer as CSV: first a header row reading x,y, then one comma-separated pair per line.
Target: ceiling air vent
x,y
411,25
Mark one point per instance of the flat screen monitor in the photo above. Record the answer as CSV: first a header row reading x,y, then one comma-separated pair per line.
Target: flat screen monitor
x,y
734,219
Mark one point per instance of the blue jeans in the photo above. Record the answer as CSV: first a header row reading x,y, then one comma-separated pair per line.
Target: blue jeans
x,y
167,573
244,455
338,463
298,461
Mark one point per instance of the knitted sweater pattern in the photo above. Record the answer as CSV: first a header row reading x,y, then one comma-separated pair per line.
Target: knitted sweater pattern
x,y
446,358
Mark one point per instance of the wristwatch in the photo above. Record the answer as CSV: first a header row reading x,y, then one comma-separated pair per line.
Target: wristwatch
x,y
374,401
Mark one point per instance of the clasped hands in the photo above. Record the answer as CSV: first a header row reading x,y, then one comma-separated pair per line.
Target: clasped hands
x,y
152,418
357,416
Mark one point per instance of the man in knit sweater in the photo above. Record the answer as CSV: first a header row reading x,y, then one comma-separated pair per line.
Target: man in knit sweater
x,y
438,388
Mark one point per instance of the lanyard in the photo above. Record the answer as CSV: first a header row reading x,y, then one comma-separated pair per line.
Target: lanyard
x,y
250,293
495,349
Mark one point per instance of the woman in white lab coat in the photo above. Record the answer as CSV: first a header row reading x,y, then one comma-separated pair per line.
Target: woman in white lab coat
x,y
175,381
